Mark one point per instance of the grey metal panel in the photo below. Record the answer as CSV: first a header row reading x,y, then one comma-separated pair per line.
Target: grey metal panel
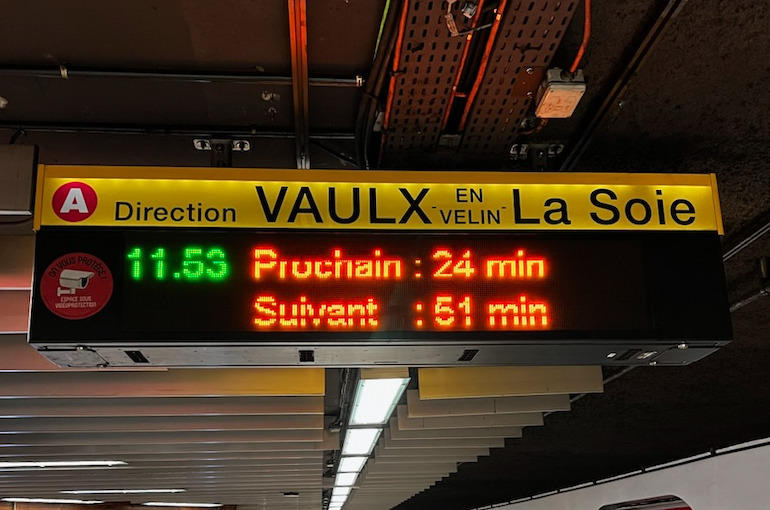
x,y
458,422
17,182
444,443
161,406
160,424
454,433
407,467
164,438
429,62
381,451
329,443
528,36
363,355
16,251
177,383
425,459
417,408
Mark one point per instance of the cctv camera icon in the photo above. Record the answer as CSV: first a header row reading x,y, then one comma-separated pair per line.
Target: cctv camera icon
x,y
71,280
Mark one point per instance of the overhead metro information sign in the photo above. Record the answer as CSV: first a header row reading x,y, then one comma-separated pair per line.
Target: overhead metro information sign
x,y
343,200
166,292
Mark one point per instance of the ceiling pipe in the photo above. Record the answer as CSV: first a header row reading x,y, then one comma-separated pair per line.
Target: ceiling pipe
x,y
394,72
483,65
461,66
586,37
396,62
369,102
176,76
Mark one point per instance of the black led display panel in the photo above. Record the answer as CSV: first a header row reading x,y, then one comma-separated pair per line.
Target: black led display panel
x,y
300,287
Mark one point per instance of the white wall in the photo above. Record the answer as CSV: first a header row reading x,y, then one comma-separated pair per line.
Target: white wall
x,y
736,480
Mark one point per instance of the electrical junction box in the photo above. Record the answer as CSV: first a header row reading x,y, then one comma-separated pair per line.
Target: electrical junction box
x,y
560,94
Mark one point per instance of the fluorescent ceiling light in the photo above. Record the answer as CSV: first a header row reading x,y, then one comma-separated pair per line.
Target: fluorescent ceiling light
x,y
338,500
124,491
345,479
53,501
360,441
375,400
351,464
340,491
61,464
186,505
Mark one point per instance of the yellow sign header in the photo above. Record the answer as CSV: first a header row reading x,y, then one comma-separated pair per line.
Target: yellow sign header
x,y
398,200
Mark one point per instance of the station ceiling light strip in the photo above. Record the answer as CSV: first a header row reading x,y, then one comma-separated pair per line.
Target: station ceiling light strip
x,y
377,394
43,464
52,501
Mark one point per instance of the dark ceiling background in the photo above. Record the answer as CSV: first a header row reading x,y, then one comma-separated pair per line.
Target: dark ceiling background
x,y
699,103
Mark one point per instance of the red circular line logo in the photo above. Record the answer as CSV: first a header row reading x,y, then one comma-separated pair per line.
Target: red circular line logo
x,y
74,201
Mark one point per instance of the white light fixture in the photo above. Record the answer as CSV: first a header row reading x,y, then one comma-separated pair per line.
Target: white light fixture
x,y
375,400
360,441
338,500
124,491
341,491
61,464
352,464
185,505
52,501
345,479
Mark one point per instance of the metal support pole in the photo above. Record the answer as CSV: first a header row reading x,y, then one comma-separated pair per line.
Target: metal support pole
x,y
298,39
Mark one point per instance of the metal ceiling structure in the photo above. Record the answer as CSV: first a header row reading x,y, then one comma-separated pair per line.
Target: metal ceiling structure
x,y
671,87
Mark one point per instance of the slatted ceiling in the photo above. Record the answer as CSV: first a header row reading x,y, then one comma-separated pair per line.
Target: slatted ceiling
x,y
272,465
256,465
417,408
397,435
429,62
329,443
529,34
148,459
239,448
249,445
161,406
451,429
17,253
385,471
145,454
209,382
411,467
155,423
163,438
424,459
449,453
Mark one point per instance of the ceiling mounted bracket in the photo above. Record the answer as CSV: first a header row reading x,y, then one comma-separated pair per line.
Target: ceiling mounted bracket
x,y
541,156
221,149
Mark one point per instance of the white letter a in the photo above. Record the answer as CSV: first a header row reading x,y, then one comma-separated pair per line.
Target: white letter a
x,y
74,201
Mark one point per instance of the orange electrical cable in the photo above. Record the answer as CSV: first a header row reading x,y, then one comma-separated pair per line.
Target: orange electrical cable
x,y
482,65
460,67
396,61
586,37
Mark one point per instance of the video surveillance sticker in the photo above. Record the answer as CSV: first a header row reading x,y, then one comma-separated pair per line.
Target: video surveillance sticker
x,y
76,286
